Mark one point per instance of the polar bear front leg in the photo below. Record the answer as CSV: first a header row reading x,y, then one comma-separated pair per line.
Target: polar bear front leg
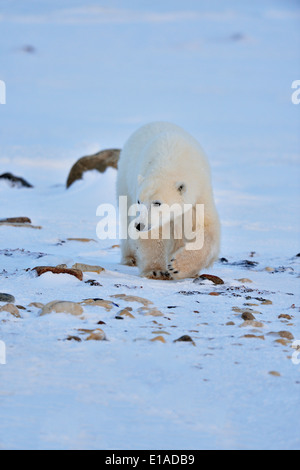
x,y
152,259
185,263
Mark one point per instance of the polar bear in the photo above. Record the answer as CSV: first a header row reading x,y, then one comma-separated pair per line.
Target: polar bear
x,y
161,164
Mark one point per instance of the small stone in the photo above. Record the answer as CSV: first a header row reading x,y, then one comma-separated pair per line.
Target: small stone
x,y
247,316
274,373
36,305
209,277
286,316
230,323
253,336
58,306
269,269
214,293
107,304
254,324
16,220
133,298
184,338
286,334
154,312
73,338
267,302
97,335
11,309
7,298
281,341
15,181
20,307
159,338
244,280
223,260
126,313
72,272
86,268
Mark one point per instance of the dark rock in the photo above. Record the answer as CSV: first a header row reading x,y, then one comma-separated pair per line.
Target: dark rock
x,y
184,338
209,277
248,316
245,263
7,298
16,220
15,181
223,260
99,161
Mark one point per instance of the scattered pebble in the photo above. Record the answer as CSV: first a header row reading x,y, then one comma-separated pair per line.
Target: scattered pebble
x,y
244,280
16,220
286,334
82,240
254,324
150,311
15,181
36,305
73,338
253,336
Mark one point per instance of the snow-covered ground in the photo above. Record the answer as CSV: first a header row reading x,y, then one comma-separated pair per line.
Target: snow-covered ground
x,y
90,77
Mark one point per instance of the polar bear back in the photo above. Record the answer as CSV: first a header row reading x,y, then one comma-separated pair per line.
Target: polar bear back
x,y
133,158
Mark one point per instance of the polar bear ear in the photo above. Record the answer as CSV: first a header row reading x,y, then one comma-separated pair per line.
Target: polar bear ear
x,y
181,187
140,179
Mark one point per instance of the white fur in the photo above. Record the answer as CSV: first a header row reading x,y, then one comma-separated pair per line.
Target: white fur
x,y
155,161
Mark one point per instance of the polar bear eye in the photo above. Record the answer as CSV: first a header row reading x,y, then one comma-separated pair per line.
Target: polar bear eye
x,y
156,203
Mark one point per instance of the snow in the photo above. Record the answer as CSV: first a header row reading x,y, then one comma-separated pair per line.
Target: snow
x,y
97,73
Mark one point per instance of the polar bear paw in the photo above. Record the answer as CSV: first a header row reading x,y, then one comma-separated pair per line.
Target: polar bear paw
x,y
157,274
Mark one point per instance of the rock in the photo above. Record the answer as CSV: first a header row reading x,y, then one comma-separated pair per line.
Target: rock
x,y
72,272
267,302
7,298
73,338
36,305
15,181
281,341
16,220
11,309
107,304
99,161
287,317
244,280
126,313
245,263
184,338
97,335
214,293
269,269
60,306
230,323
209,277
86,268
285,334
133,298
93,283
254,336
253,323
158,338
223,260
153,311
247,316
274,373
